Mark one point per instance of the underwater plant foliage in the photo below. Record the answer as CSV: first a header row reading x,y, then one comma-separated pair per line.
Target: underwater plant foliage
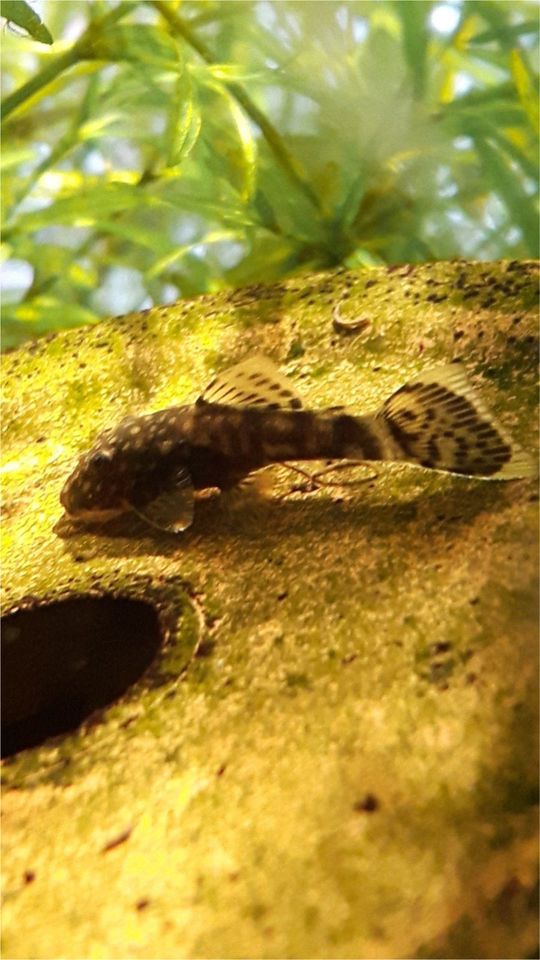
x,y
154,150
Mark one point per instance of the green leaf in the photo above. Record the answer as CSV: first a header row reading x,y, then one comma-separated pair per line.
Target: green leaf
x,y
184,121
248,145
13,156
348,208
47,312
413,16
517,151
225,73
478,97
245,160
526,86
507,184
468,117
96,127
134,234
21,13
164,263
140,43
510,32
87,206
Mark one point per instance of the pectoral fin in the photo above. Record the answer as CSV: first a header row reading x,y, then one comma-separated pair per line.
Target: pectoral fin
x,y
172,510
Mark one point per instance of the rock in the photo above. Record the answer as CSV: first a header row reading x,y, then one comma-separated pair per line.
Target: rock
x,y
346,767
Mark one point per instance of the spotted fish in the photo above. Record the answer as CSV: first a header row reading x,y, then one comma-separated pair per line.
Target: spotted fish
x,y
251,416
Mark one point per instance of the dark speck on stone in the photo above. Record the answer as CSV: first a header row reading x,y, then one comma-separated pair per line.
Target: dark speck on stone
x,y
368,804
439,672
441,646
436,297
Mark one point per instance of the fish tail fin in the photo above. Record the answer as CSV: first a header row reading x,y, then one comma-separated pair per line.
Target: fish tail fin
x,y
437,421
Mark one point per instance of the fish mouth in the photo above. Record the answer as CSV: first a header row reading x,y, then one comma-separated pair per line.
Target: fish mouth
x,y
98,515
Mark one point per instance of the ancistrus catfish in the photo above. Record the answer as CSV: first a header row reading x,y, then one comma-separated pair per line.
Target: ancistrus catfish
x,y
251,416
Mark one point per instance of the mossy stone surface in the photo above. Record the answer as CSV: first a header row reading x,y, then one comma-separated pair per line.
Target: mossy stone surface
x,y
347,767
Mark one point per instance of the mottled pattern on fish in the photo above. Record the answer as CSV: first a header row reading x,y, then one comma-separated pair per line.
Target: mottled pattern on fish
x,y
250,417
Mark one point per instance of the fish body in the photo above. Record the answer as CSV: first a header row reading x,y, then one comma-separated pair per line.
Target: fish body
x,y
251,417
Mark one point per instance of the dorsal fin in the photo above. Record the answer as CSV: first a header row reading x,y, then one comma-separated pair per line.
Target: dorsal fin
x,y
255,382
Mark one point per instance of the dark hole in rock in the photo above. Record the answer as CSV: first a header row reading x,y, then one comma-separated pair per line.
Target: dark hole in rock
x,y
63,661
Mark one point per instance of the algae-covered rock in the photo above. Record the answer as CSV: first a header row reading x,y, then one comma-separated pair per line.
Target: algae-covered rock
x,y
346,767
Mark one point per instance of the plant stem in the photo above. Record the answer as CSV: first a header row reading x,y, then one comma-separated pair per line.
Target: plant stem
x,y
81,50
271,135
38,81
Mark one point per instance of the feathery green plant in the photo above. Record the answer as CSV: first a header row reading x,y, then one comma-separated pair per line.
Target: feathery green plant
x,y
156,149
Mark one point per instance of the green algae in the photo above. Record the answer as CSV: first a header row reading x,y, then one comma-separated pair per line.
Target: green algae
x,y
344,769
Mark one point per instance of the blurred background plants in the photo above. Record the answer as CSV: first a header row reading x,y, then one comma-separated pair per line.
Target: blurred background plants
x,y
156,150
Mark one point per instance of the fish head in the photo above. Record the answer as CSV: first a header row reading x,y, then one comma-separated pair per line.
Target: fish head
x,y
126,467
99,486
